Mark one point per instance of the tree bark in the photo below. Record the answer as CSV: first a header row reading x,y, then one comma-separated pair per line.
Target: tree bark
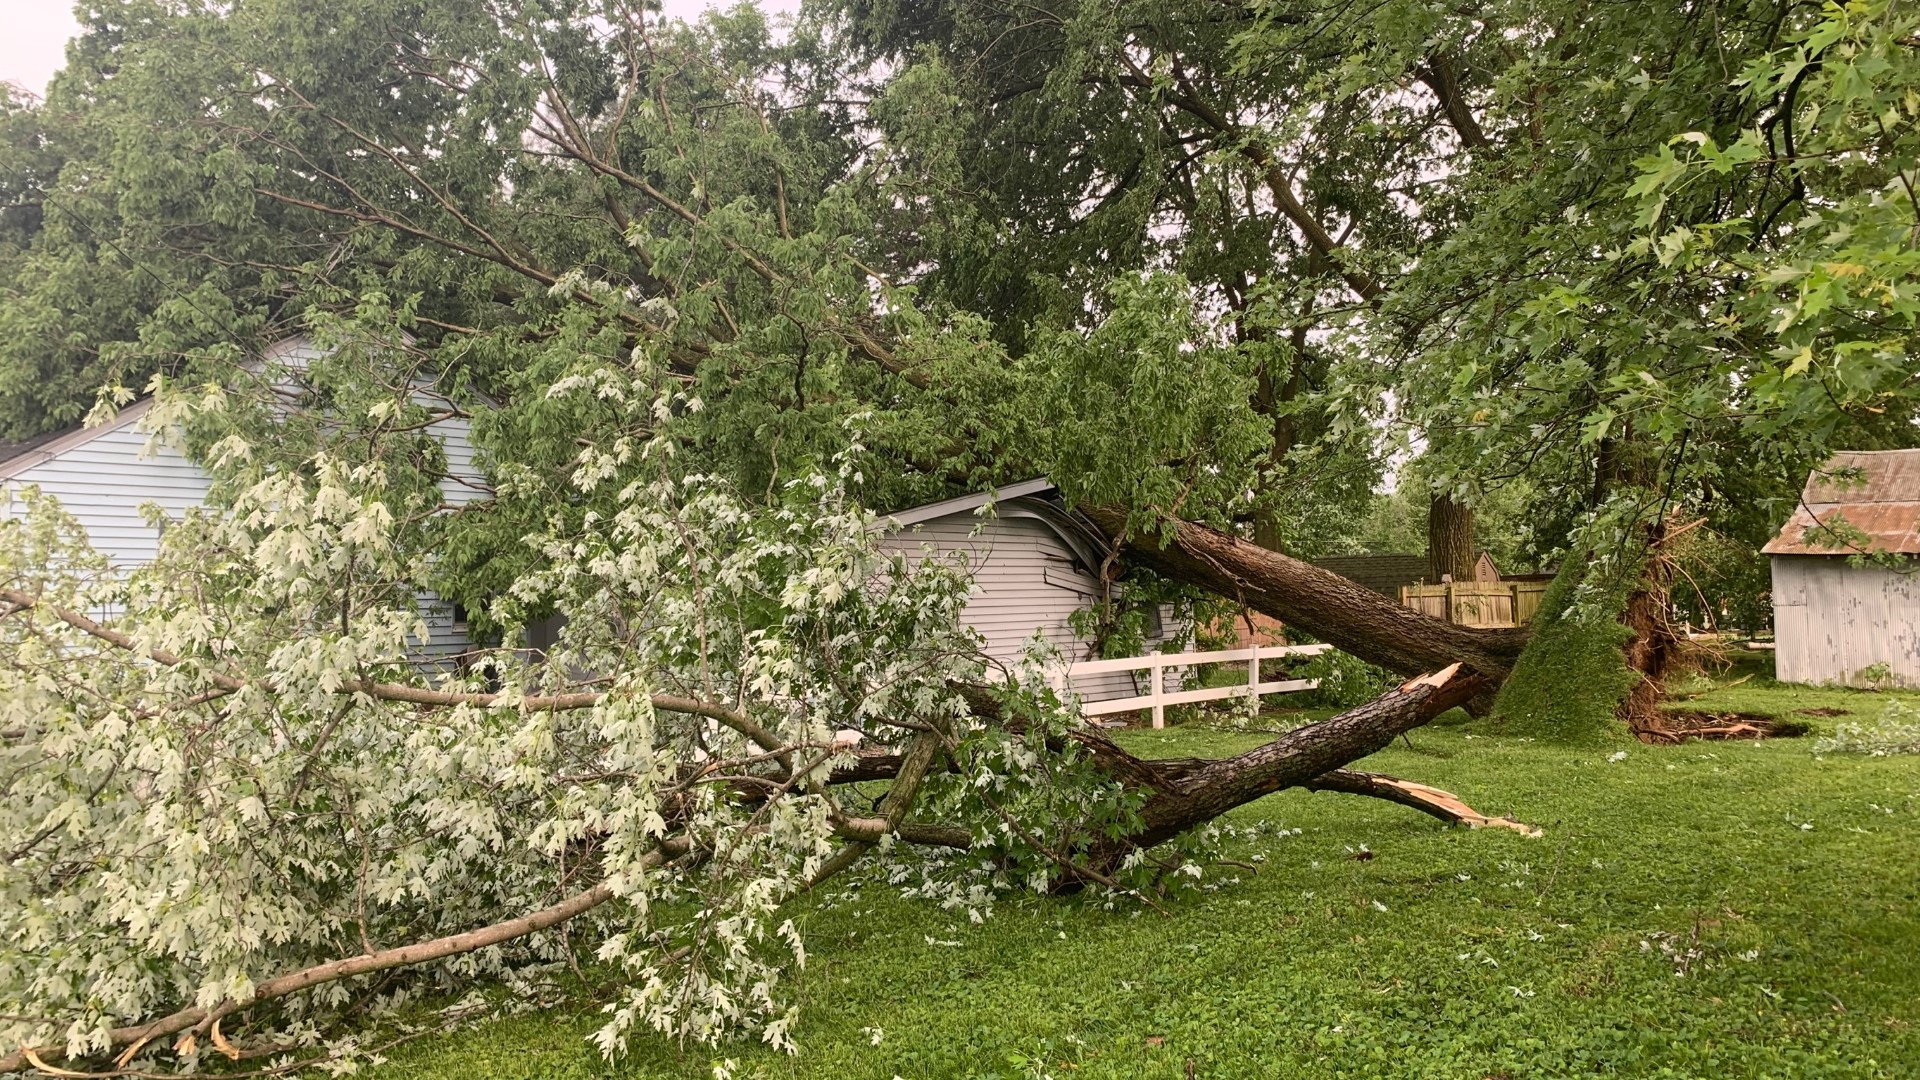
x,y
1181,794
1350,616
1187,793
1450,553
1440,76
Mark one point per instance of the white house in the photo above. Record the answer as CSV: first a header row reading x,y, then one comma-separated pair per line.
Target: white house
x,y
103,475
1838,623
1034,565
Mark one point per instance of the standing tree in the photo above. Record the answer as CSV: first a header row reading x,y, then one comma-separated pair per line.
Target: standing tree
x,y
1450,548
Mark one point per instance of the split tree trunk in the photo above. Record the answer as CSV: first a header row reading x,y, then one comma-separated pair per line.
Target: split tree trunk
x,y
1450,553
1184,793
1350,616
1444,805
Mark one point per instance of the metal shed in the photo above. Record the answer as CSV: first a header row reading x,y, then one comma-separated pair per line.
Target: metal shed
x,y
1835,622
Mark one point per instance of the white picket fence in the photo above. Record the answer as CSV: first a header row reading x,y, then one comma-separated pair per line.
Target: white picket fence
x,y
1158,697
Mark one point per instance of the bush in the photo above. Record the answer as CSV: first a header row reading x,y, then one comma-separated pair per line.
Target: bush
x,y
1345,681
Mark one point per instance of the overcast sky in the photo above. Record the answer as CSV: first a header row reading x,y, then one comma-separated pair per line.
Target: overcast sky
x,y
34,33
33,43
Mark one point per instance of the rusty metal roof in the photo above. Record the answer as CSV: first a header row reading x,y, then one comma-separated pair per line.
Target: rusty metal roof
x,y
1874,491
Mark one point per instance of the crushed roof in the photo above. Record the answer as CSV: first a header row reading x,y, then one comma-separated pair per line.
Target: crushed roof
x,y
1037,498
1876,492
971,502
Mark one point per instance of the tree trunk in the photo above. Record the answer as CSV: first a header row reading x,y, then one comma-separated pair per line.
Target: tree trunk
x,y
1273,399
1183,793
1350,616
1450,551
1190,793
1622,462
1443,79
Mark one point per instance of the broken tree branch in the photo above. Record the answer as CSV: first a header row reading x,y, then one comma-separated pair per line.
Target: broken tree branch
x,y
1444,805
349,967
1190,793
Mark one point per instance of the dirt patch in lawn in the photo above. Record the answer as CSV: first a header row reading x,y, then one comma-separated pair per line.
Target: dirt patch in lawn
x,y
1824,710
1678,725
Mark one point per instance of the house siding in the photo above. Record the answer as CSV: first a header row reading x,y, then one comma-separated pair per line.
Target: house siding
x,y
1833,621
464,482
1025,582
104,481
446,639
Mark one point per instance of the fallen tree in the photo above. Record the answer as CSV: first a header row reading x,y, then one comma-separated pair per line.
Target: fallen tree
x,y
232,802
1179,795
1332,608
1622,643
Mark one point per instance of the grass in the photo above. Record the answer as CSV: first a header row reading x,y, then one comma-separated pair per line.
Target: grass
x,y
1707,910
1747,686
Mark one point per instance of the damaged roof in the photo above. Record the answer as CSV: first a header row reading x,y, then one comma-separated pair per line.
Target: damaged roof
x,y
1874,491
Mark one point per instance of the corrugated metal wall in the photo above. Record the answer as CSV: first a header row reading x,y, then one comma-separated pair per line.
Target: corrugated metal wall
x,y
1833,623
1025,582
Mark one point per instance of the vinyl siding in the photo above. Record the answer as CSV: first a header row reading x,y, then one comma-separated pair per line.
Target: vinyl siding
x,y
1025,582
1832,621
464,482
104,481
446,639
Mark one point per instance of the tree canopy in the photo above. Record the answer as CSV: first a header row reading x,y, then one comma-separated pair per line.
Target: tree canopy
x,y
713,295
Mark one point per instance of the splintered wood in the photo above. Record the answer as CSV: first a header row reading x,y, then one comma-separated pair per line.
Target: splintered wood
x,y
1453,806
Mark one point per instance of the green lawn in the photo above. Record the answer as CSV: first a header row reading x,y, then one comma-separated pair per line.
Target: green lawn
x,y
1747,686
1707,910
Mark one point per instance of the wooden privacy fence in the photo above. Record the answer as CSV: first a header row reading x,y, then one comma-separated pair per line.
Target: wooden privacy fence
x,y
1158,697
1477,603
